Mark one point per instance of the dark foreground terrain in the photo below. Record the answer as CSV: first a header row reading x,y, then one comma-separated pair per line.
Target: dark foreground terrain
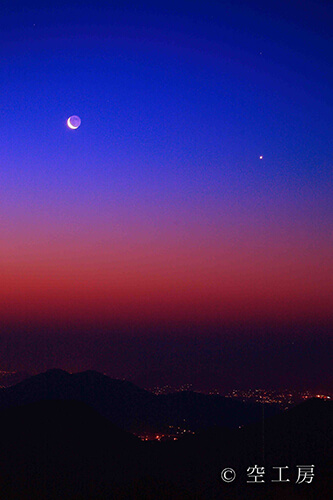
x,y
61,448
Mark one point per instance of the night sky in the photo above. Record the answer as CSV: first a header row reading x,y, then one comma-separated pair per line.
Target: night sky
x,y
183,233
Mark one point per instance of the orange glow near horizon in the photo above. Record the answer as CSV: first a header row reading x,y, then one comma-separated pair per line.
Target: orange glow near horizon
x,y
170,279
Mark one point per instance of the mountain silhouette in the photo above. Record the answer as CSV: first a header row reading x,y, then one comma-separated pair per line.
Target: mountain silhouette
x,y
131,408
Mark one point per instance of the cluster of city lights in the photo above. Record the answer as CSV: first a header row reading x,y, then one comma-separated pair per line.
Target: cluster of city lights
x,y
283,398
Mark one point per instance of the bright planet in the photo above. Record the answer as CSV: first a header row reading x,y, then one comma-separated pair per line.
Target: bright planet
x,y
74,122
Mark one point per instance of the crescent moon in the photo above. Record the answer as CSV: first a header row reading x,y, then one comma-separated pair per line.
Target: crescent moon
x,y
70,125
